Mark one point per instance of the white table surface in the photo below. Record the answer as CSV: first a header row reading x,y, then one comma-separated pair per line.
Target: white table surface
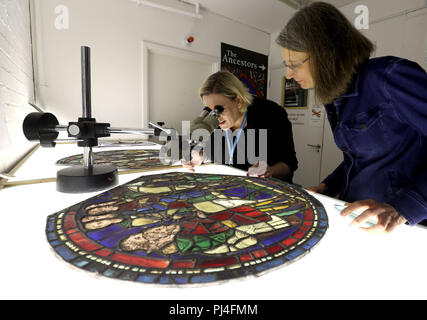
x,y
346,264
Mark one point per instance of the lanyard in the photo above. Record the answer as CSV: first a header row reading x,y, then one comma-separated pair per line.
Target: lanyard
x,y
230,149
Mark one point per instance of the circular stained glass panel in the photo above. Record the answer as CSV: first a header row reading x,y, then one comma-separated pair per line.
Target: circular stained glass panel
x,y
183,228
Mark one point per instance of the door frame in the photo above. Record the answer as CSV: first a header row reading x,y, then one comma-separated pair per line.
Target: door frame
x,y
148,47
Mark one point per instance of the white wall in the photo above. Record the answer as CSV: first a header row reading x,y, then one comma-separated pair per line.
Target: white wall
x,y
16,80
399,35
115,29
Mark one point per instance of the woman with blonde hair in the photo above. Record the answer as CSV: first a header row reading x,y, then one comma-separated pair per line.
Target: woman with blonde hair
x,y
242,114
377,109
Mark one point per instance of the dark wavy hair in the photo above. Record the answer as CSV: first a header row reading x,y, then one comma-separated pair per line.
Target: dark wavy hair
x,y
336,48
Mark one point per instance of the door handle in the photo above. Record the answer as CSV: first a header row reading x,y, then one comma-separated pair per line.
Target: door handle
x,y
317,146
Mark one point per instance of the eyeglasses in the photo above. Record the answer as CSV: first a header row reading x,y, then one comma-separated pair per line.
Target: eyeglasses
x,y
296,66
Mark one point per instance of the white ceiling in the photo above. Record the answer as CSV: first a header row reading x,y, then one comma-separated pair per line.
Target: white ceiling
x,y
267,15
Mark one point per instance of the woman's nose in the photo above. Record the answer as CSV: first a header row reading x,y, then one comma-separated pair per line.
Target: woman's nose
x,y
289,73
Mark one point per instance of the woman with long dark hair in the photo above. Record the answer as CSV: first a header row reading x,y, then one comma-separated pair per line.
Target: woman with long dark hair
x,y
377,109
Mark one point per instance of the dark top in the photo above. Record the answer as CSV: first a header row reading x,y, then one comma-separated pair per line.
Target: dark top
x,y
380,124
273,144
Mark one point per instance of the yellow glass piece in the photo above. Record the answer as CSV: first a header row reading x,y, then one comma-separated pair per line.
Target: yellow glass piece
x,y
143,221
229,223
250,241
280,207
151,189
278,223
221,249
264,203
255,228
171,211
208,206
237,236
170,249
233,203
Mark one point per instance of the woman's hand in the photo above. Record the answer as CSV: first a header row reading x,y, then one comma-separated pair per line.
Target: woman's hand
x,y
321,188
197,159
260,169
388,217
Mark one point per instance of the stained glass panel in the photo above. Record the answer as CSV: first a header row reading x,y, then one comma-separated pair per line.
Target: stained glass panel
x,y
184,228
122,159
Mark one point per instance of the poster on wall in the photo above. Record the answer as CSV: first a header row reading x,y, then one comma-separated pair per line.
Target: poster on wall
x,y
249,66
293,96
316,116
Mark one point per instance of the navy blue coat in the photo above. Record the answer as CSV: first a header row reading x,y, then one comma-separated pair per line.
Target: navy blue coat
x,y
380,124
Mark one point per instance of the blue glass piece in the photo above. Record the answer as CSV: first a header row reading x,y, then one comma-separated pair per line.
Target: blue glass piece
x,y
278,237
50,225
51,236
146,278
263,195
105,197
114,240
296,253
101,234
159,207
181,280
310,243
80,263
55,243
169,199
111,273
128,276
65,253
164,280
236,192
140,253
194,194
201,279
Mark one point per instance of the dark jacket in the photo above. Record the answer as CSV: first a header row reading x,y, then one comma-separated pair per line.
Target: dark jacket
x,y
261,114
380,124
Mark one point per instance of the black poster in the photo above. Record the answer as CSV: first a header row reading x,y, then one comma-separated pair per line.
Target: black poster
x,y
249,66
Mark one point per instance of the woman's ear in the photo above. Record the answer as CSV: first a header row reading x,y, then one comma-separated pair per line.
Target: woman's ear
x,y
239,102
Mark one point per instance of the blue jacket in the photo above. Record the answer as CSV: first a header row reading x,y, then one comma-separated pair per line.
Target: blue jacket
x,y
380,124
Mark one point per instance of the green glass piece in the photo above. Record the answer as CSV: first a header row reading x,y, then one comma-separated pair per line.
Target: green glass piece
x,y
203,242
287,213
183,244
222,237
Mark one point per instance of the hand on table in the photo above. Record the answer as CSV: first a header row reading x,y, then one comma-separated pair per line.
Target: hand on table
x,y
321,188
388,217
260,169
197,159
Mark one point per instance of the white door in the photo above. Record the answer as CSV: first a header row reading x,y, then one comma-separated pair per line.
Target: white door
x,y
311,133
172,81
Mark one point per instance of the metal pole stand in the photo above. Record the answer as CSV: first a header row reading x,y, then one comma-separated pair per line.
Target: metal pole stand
x,y
89,177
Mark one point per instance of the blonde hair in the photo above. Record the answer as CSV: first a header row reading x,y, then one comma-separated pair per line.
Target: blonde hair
x,y
227,84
